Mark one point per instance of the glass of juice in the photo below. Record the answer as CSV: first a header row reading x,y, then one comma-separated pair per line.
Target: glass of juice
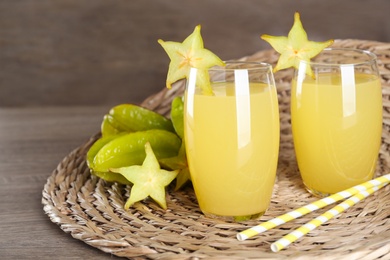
x,y
232,139
336,116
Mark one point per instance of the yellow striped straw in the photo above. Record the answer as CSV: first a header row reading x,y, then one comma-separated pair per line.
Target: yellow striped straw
x,y
248,233
313,224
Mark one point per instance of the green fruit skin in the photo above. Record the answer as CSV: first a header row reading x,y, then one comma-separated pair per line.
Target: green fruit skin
x,y
93,150
177,116
97,145
112,177
133,118
129,149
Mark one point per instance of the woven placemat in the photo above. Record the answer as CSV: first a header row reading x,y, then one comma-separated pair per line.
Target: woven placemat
x,y
91,210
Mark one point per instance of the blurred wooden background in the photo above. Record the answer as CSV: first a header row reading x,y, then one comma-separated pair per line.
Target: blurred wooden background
x,y
101,52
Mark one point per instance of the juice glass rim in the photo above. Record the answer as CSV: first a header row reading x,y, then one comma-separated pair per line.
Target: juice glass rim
x,y
255,65
366,57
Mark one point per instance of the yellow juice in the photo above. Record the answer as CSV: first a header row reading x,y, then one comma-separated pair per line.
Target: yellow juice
x,y
337,130
232,147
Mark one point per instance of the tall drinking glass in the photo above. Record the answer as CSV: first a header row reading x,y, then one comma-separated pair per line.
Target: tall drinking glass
x,y
232,139
337,119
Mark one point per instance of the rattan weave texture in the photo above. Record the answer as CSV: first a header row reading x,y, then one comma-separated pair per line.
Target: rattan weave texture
x,y
91,210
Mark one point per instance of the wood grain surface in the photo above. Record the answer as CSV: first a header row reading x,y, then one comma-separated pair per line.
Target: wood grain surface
x,y
97,52
32,142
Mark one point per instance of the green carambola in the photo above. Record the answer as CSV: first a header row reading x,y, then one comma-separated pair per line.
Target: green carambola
x,y
129,149
133,118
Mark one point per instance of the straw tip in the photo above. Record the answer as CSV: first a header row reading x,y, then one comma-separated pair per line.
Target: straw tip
x,y
275,248
241,237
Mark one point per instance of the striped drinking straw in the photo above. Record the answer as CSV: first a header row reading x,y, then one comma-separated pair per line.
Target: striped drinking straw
x,y
313,224
248,233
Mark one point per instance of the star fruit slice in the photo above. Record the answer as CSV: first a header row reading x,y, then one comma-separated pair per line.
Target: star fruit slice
x,y
295,46
190,54
148,179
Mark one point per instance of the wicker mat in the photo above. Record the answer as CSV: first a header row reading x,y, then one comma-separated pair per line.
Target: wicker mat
x,y
91,210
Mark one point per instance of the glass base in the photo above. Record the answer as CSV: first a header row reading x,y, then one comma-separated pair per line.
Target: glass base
x,y
234,218
316,193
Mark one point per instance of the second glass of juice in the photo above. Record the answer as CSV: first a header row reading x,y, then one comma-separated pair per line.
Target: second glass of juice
x,y
336,119
232,139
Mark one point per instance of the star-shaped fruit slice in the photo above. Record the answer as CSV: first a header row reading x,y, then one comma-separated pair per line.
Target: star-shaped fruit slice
x,y
148,179
190,54
295,46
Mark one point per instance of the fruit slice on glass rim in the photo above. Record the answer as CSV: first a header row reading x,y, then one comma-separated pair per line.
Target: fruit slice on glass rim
x,y
295,46
190,54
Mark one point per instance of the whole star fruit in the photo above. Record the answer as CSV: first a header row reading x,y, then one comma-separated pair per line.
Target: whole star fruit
x,y
295,46
177,116
148,179
178,162
93,150
128,149
190,54
132,118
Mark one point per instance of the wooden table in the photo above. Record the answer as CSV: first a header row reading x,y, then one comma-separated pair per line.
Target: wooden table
x,y
32,142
